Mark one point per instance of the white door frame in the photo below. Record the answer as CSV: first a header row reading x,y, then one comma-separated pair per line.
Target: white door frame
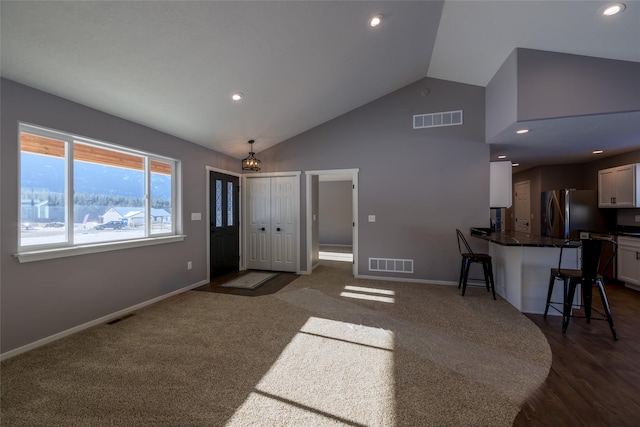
x,y
207,224
244,221
354,181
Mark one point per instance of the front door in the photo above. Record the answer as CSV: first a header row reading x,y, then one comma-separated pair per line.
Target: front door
x,y
224,242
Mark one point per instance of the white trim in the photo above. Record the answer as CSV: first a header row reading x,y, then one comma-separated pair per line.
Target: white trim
x,y
103,319
333,172
354,181
420,281
40,255
270,174
69,247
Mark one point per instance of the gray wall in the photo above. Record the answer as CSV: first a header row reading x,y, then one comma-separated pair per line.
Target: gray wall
x,y
336,213
535,84
502,97
550,86
420,184
40,299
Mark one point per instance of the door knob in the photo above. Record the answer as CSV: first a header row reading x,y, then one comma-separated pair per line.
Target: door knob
x,y
262,229
279,229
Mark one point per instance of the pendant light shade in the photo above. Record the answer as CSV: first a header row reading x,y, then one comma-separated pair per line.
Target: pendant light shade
x,y
251,163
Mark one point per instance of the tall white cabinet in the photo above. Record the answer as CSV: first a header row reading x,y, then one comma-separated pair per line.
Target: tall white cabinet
x,y
272,222
500,188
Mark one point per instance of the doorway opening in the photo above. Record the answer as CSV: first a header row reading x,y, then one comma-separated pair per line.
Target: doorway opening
x,y
332,212
522,207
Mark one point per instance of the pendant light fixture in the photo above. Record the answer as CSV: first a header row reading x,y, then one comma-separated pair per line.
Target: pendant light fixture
x,y
251,163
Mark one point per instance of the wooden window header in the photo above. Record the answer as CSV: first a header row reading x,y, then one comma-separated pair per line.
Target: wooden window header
x,y
37,144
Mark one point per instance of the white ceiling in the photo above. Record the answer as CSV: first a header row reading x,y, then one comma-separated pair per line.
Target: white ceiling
x,y
173,65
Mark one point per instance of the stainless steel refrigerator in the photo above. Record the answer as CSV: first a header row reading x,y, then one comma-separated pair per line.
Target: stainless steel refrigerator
x,y
567,212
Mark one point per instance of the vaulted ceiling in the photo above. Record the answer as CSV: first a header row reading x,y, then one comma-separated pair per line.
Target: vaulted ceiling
x,y
173,65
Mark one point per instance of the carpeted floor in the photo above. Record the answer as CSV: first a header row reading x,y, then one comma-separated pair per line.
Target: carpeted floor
x,y
326,349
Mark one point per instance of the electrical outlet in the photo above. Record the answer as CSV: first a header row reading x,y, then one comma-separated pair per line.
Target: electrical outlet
x,y
189,265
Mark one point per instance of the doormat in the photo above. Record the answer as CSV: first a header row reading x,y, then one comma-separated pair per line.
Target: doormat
x,y
249,281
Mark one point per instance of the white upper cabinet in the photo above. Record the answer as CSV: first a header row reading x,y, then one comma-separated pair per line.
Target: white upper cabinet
x,y
500,184
619,187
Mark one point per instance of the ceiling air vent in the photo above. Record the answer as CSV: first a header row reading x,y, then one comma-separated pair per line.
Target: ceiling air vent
x,y
433,120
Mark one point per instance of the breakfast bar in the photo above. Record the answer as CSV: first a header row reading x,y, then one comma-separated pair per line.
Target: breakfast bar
x,y
521,268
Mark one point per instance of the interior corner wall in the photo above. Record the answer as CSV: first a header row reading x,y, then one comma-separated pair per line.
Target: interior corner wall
x,y
552,84
44,298
315,218
501,97
420,184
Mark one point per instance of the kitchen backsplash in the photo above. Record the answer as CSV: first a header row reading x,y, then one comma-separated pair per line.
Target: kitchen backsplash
x,y
628,217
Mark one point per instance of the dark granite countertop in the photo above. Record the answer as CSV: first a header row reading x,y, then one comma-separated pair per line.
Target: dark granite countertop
x,y
516,238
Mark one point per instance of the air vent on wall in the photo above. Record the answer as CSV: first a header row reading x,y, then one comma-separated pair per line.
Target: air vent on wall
x,y
432,120
391,265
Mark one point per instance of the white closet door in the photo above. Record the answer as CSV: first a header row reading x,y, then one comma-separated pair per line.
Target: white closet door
x,y
259,226
273,210
284,213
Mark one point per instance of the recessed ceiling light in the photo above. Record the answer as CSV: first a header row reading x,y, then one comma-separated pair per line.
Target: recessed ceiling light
x,y
515,164
375,21
598,151
613,9
521,131
502,156
237,96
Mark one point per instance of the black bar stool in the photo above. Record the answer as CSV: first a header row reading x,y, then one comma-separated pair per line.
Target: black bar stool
x,y
468,258
564,274
587,277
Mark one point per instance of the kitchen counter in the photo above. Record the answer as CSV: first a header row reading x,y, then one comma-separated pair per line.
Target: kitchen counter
x,y
521,267
516,238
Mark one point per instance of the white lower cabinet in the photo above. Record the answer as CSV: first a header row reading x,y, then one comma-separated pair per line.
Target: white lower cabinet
x,y
629,261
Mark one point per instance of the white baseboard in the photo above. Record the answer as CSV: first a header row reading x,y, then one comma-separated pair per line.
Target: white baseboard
x,y
632,286
103,319
405,279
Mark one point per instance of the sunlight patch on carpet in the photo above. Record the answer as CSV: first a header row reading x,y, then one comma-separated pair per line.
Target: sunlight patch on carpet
x,y
335,256
330,372
369,294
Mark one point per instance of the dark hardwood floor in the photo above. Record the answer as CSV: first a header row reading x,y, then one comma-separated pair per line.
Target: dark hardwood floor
x,y
594,380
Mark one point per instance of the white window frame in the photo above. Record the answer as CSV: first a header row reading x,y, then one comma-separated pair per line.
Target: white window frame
x,y
69,248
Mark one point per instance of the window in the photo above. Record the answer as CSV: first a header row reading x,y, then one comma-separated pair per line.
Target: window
x,y
75,192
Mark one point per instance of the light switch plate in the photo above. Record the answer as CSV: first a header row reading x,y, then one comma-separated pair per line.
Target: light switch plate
x,y
196,216
637,218
372,218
